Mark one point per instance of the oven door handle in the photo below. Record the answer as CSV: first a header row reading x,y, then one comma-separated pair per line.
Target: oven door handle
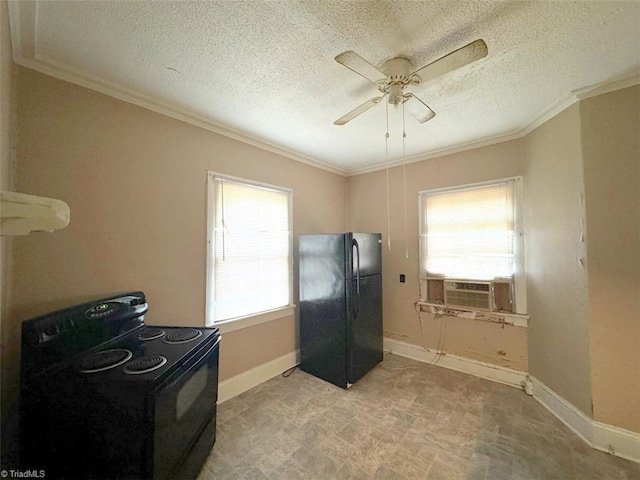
x,y
196,365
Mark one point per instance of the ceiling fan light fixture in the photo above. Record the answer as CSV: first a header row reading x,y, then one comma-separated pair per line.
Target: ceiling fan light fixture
x,y
395,94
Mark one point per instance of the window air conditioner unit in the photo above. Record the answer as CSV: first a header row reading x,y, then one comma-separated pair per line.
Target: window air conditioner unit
x,y
466,294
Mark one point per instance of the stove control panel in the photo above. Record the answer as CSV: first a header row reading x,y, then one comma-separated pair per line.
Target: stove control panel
x,y
103,310
84,319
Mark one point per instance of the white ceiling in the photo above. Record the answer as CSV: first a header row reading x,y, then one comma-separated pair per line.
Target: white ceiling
x,y
264,72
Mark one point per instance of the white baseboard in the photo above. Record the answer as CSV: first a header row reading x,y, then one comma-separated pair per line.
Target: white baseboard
x,y
601,436
565,411
616,441
489,371
246,380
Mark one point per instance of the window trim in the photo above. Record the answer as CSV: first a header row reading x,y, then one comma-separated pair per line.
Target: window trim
x,y
237,323
519,276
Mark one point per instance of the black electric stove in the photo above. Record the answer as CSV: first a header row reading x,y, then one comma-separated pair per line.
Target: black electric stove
x,y
106,396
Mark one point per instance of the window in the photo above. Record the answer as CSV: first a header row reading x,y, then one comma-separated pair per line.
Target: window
x,y
473,233
249,248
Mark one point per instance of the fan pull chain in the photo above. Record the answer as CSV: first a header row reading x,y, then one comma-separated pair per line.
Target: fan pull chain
x,y
404,194
404,186
386,142
388,214
404,133
386,135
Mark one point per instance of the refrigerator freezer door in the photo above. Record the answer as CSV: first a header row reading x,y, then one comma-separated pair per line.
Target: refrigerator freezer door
x,y
370,247
323,307
365,327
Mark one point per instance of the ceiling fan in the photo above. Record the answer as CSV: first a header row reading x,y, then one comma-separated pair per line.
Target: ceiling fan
x,y
399,72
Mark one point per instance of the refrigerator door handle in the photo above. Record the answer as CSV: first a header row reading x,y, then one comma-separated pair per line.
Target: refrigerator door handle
x,y
355,244
355,301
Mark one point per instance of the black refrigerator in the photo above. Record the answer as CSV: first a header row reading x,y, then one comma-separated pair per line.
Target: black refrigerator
x,y
340,305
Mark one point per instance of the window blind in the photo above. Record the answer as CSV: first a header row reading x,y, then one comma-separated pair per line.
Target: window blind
x,y
469,233
251,249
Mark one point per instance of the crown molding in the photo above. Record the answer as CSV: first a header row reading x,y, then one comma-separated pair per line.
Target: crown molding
x,y
23,18
607,87
437,153
169,110
554,109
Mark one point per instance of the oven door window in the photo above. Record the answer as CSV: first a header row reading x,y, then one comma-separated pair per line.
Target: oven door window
x,y
183,408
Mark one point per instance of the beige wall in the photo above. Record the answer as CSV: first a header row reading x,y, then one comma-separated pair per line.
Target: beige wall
x,y
556,278
135,182
611,153
367,212
8,387
582,190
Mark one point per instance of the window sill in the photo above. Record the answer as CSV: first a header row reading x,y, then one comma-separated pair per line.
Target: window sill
x,y
515,319
239,323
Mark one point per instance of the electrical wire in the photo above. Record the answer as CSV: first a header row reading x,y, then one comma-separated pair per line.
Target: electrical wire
x,y
287,373
441,337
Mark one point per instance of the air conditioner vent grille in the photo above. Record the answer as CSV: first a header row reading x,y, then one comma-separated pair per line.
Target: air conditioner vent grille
x,y
476,295
484,287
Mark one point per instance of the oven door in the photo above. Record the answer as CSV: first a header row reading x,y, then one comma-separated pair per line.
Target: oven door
x,y
184,407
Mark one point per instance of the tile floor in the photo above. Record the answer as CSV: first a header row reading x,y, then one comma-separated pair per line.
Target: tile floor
x,y
403,420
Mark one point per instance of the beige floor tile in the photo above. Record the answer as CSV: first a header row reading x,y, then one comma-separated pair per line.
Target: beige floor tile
x,y
403,420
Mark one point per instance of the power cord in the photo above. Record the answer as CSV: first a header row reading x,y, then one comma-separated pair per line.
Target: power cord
x,y
287,373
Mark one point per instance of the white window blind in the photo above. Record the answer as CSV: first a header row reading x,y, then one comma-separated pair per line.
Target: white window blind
x,y
250,248
469,232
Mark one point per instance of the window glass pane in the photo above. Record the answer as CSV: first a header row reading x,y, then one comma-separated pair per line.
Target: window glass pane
x,y
469,233
251,248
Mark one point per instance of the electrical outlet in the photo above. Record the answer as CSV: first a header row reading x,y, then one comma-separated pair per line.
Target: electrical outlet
x,y
402,278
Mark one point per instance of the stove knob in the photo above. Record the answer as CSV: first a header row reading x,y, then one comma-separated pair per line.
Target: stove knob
x,y
49,332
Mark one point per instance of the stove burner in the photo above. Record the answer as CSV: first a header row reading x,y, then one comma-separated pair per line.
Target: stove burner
x,y
151,334
104,360
182,335
144,364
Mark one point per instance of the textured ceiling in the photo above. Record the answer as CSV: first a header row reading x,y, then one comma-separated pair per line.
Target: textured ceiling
x,y
264,72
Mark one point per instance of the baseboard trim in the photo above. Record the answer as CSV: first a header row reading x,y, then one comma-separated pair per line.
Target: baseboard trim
x,y
601,436
247,380
563,410
489,371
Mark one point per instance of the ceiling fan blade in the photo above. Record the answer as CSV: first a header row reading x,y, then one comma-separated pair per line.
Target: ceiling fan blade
x,y
456,59
359,65
418,109
358,110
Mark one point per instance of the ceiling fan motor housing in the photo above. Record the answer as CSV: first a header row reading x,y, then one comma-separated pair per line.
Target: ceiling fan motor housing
x,y
398,71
